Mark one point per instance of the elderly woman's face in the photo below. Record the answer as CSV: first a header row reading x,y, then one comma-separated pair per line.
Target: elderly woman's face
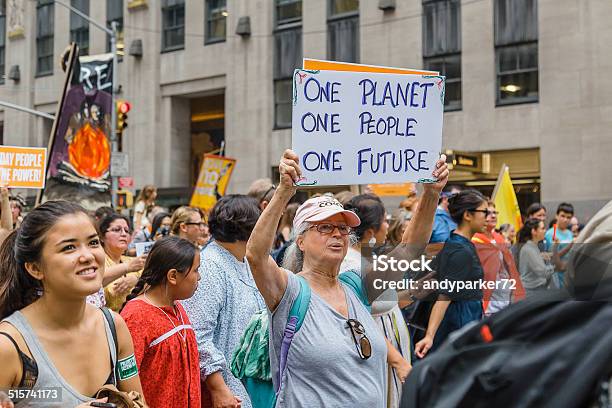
x,y
325,247
117,237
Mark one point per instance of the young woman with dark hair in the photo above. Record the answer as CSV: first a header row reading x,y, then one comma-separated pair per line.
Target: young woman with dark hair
x,y
223,304
537,211
161,226
49,335
536,274
121,271
164,342
456,263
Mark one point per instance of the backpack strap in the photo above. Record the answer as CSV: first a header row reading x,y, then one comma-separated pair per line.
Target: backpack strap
x,y
355,283
296,317
111,324
300,306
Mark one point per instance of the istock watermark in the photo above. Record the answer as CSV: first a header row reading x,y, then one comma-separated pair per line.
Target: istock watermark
x,y
384,263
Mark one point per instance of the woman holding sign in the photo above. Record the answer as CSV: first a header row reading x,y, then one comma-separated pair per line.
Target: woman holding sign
x,y
339,355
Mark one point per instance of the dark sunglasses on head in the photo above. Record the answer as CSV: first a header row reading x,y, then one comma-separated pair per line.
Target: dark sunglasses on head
x,y
263,197
362,343
327,229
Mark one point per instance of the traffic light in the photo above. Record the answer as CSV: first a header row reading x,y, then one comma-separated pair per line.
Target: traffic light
x,y
123,107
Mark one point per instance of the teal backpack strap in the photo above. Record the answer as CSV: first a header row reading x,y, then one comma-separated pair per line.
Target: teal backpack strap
x,y
355,283
300,306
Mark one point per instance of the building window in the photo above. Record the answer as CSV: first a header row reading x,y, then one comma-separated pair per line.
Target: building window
x,y
343,30
516,51
114,12
288,11
173,25
287,57
216,21
442,46
2,40
79,27
44,37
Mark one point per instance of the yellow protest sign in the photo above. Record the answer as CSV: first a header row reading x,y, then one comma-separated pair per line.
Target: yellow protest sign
x,y
23,167
212,181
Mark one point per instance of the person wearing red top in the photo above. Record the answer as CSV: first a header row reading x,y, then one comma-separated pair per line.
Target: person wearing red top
x,y
165,346
498,266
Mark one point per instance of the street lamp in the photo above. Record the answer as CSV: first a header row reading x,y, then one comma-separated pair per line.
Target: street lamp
x,y
113,37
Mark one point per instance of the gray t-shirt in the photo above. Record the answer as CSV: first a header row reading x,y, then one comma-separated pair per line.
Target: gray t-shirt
x,y
324,368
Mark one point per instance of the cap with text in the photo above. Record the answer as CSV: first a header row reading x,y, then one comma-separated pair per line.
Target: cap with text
x,y
321,208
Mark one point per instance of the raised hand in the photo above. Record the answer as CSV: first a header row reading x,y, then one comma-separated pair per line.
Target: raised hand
x,y
441,174
290,172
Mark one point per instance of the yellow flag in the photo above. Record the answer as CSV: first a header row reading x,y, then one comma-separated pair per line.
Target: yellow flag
x,y
505,201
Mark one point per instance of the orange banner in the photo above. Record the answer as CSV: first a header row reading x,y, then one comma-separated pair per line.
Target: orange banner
x,y
322,65
23,167
392,189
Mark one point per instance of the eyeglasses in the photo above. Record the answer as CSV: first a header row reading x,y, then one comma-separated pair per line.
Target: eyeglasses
x,y
327,229
486,212
362,343
119,230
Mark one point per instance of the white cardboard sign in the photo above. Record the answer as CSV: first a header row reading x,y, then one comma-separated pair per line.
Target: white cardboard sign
x,y
366,128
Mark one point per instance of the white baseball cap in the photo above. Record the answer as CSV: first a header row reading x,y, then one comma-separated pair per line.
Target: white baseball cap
x,y
321,208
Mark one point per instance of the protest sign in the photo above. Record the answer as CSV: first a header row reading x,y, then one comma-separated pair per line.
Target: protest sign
x,y
366,128
23,167
212,182
143,248
79,146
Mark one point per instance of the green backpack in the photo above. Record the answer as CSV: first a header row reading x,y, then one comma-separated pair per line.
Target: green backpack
x,y
251,361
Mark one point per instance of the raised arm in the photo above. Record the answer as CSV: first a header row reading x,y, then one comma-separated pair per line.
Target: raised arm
x,y
417,232
116,271
270,279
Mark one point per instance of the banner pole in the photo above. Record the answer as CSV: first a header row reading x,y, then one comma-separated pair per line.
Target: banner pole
x,y
499,179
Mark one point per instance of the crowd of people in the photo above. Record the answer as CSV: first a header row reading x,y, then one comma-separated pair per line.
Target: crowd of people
x,y
80,311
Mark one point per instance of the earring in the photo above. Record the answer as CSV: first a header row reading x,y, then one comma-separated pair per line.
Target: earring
x,y
372,242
